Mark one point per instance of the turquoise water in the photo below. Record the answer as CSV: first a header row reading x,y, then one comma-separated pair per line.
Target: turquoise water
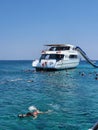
x,y
73,98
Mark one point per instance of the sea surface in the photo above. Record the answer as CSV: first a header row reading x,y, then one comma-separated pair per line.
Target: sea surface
x,y
72,95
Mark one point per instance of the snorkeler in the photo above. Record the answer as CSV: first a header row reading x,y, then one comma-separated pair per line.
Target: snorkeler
x,y
34,112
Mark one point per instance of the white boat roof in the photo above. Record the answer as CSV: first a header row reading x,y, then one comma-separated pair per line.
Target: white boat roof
x,y
59,45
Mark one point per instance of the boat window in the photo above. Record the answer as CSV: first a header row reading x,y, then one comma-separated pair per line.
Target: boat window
x,y
56,56
73,56
59,48
52,56
47,56
52,49
43,56
66,48
62,48
74,48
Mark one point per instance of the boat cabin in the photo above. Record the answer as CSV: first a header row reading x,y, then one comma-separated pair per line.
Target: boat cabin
x,y
56,57
59,47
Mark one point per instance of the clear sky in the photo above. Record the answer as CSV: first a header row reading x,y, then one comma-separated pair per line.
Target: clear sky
x,y
26,25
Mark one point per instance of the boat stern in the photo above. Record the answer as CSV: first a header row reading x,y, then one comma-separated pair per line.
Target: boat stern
x,y
44,64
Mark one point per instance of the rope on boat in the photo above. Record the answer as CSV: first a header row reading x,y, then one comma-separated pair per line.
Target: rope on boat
x,y
85,56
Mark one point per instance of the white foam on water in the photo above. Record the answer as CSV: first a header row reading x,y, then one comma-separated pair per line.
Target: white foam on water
x,y
55,106
32,108
14,80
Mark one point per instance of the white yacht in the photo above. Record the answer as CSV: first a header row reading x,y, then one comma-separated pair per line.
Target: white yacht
x,y
57,57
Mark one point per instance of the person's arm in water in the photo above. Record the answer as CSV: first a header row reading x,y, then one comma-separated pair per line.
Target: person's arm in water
x,y
35,114
41,112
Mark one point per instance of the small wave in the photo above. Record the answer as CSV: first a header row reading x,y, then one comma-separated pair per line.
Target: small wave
x,y
2,82
55,106
14,80
29,71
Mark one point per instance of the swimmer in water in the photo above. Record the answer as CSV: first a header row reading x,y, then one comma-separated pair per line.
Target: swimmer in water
x,y
34,114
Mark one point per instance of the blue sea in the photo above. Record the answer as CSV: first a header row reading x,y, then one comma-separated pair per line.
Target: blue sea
x,y
72,95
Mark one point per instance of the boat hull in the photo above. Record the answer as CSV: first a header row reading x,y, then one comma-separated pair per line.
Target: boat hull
x,y
61,65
